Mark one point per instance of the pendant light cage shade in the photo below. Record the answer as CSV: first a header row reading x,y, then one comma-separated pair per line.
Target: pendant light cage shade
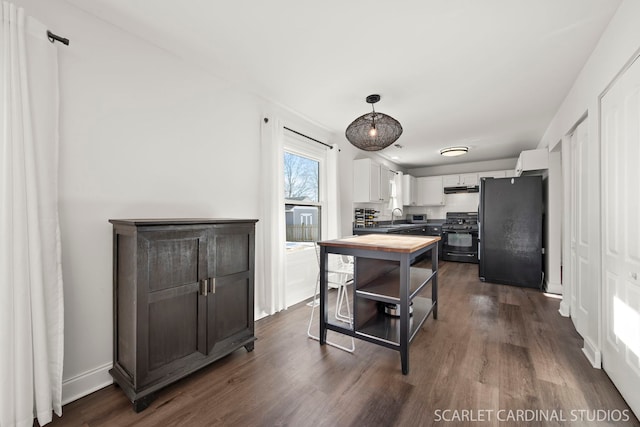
x,y
373,131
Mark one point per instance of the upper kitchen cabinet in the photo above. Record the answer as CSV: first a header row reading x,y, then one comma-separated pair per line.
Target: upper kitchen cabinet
x,y
386,176
496,174
429,191
409,190
466,179
532,160
371,181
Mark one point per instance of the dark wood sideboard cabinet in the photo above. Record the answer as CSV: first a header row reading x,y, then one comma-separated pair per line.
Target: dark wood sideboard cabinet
x,y
183,297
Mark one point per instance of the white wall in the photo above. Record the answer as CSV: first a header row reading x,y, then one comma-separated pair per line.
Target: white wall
x,y
142,134
618,44
553,225
459,202
470,167
348,153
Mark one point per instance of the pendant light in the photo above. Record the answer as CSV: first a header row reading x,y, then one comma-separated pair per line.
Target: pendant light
x,y
373,131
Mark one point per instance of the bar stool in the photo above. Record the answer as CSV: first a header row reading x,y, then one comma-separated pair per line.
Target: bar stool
x,y
339,276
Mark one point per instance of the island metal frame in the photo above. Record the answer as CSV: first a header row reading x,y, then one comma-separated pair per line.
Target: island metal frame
x,y
383,276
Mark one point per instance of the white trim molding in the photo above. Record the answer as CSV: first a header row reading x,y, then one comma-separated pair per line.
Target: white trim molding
x,y
86,383
553,287
565,309
592,353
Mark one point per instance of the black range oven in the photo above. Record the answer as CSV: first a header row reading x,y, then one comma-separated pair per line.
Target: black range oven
x,y
460,237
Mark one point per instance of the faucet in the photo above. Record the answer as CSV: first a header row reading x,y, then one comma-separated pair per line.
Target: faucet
x,y
395,209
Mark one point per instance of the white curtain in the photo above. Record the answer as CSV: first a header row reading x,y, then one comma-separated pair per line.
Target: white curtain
x,y
395,196
270,239
270,289
333,194
31,305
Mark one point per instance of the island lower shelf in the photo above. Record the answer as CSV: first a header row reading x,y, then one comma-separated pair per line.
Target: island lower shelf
x,y
386,288
383,327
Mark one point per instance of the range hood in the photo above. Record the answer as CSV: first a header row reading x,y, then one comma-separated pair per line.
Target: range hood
x,y
461,189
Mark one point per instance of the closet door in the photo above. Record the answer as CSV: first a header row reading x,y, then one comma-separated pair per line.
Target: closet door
x,y
620,109
581,281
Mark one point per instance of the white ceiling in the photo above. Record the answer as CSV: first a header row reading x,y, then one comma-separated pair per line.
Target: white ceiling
x,y
488,74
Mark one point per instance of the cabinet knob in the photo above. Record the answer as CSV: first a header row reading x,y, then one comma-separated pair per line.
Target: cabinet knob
x,y
634,276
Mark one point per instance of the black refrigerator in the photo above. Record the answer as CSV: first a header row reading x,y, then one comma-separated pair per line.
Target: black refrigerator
x,y
510,230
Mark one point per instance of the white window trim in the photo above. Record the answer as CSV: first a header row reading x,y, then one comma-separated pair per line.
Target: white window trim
x,y
295,144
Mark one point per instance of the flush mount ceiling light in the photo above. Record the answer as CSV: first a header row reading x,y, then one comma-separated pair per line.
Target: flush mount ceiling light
x,y
373,131
454,151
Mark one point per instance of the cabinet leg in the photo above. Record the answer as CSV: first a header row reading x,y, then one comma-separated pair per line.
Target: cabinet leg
x,y
404,359
249,347
143,403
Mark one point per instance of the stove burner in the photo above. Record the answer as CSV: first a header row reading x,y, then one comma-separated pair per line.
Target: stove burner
x,y
461,221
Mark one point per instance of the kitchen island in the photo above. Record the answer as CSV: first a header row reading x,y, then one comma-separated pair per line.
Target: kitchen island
x,y
384,277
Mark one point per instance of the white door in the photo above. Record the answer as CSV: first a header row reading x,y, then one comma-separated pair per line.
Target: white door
x,y
621,234
579,275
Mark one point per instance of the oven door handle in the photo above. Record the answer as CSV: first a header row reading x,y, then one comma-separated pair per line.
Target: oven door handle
x,y
459,254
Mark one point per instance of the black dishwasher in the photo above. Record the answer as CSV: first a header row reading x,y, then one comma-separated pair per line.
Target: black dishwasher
x,y
426,230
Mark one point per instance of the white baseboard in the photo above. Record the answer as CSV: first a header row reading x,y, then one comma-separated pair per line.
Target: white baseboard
x,y
86,383
592,353
259,314
564,310
554,288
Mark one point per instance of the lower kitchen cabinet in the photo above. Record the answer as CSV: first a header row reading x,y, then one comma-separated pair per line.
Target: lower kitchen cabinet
x,y
183,298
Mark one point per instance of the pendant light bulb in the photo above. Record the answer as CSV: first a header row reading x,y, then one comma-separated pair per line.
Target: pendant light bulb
x,y
373,132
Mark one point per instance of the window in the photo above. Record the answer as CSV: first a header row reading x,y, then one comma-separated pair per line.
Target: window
x,y
302,191
300,178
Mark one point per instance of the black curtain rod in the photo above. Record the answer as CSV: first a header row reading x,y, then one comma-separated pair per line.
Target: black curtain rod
x,y
308,137
54,38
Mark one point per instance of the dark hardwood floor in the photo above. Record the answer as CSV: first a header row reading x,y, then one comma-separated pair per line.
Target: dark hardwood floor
x,y
494,353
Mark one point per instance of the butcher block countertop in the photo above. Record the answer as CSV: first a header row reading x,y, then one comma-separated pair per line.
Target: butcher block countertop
x,y
383,242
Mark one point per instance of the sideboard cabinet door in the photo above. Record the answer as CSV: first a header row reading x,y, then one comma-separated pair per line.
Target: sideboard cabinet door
x,y
230,309
171,311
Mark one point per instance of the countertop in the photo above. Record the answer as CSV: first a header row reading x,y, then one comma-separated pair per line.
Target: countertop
x,y
388,228
383,242
179,221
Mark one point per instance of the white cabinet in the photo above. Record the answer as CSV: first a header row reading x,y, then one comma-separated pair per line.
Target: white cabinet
x,y
371,181
409,190
386,176
466,180
531,160
496,174
429,191
450,180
